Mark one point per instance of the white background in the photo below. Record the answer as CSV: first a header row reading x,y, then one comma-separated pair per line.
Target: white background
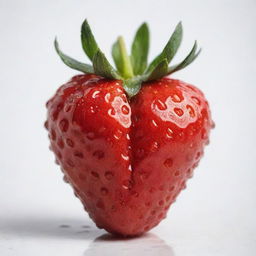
x,y
215,215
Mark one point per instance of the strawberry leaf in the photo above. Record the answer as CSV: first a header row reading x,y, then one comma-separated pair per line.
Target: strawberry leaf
x,y
121,59
132,86
72,63
189,59
170,49
89,44
140,48
159,71
132,70
102,67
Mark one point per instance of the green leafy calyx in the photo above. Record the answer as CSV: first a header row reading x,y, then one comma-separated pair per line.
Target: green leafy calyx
x,y
132,69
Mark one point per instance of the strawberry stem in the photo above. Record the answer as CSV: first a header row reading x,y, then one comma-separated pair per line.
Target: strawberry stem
x,y
132,70
121,59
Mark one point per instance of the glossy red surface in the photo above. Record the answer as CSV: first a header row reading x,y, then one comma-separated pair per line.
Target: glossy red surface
x,y
127,160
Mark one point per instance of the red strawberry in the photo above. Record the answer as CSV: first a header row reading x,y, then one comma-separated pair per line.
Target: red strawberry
x,y
128,140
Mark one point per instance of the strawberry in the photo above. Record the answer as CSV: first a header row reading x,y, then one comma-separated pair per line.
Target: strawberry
x,y
127,139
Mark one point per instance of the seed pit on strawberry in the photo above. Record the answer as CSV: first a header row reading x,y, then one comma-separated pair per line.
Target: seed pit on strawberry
x,y
78,154
53,134
109,175
70,142
168,162
70,163
177,173
90,135
95,175
98,154
60,143
104,191
128,138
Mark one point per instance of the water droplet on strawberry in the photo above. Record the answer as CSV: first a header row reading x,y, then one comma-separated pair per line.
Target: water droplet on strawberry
x,y
95,94
154,123
191,145
182,136
169,133
111,112
176,98
154,146
126,184
107,97
118,134
125,110
125,157
160,105
178,111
